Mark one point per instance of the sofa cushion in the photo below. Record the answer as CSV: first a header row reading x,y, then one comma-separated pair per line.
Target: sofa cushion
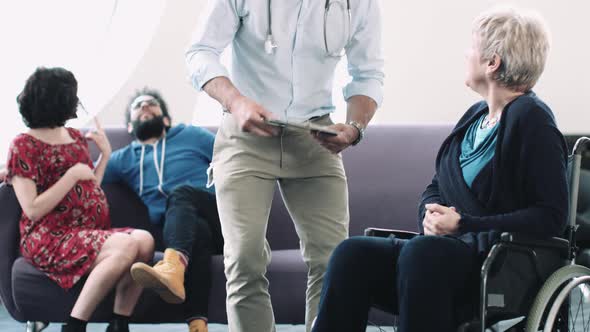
x,y
32,291
287,274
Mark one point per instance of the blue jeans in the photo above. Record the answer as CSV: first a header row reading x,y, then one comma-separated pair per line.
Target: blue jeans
x,y
430,282
192,227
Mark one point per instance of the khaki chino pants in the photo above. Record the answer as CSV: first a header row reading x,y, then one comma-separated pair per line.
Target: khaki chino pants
x,y
313,185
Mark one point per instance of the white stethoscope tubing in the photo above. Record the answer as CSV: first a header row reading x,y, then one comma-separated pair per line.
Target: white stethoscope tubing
x,y
270,45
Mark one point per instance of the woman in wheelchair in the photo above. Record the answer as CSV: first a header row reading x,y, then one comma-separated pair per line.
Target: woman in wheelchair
x,y
502,169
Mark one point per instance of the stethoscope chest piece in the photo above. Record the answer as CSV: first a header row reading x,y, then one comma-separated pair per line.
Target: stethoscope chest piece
x,y
269,44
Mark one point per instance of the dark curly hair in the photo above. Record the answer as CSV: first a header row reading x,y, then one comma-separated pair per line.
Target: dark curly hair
x,y
147,92
49,98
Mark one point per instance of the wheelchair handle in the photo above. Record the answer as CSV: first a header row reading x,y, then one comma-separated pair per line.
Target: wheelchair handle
x,y
579,144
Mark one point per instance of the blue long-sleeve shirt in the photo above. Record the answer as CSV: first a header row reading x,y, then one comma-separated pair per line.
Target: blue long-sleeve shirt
x,y
188,153
295,82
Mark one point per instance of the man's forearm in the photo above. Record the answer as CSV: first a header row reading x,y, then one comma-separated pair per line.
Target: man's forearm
x,y
222,90
360,109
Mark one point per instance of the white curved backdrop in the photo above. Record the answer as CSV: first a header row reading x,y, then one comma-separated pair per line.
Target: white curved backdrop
x,y
101,42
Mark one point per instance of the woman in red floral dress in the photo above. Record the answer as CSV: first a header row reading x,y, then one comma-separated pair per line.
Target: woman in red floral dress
x,y
65,227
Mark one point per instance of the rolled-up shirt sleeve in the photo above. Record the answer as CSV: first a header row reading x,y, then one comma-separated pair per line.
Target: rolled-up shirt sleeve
x,y
218,28
365,56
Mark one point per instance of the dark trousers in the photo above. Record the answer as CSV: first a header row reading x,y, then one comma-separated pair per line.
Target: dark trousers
x,y
192,227
430,282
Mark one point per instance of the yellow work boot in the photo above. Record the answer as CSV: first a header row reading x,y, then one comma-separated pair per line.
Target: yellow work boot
x,y
198,325
166,277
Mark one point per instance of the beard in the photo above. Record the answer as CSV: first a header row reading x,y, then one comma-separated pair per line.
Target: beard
x,y
152,128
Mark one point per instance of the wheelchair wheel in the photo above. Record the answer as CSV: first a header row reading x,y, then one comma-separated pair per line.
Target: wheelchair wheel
x,y
563,303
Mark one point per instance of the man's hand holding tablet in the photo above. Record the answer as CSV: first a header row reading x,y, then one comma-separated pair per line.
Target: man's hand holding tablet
x,y
308,126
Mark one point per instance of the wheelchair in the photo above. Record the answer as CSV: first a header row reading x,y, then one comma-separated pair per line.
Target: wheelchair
x,y
533,284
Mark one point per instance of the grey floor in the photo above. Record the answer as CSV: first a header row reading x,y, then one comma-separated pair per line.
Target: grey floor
x,y
7,324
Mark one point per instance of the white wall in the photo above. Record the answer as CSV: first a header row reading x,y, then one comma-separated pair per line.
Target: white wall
x,y
425,60
162,66
425,42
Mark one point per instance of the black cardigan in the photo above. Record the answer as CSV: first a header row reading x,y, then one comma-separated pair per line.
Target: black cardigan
x,y
522,189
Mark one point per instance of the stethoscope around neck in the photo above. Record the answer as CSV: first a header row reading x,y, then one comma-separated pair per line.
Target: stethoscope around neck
x,y
270,45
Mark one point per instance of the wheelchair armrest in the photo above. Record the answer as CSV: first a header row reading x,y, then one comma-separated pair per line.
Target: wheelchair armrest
x,y
383,232
559,244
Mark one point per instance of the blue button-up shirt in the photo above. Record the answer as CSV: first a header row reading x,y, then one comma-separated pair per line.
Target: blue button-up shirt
x,y
295,82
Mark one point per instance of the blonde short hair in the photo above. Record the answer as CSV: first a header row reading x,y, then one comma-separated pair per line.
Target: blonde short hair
x,y
520,39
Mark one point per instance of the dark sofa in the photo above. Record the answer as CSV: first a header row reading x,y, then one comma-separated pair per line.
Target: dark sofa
x,y
386,173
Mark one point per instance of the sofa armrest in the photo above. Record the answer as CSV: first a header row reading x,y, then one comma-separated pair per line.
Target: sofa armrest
x,y
9,246
384,232
3,173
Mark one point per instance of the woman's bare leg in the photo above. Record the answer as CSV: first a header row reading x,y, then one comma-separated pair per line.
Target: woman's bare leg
x,y
115,258
128,291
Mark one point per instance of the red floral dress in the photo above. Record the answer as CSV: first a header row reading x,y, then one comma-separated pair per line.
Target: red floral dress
x,y
65,242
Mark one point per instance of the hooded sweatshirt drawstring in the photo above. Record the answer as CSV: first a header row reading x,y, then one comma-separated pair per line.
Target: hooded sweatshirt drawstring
x,y
159,167
141,169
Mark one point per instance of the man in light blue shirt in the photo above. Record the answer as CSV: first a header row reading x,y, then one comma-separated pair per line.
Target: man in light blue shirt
x,y
283,61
